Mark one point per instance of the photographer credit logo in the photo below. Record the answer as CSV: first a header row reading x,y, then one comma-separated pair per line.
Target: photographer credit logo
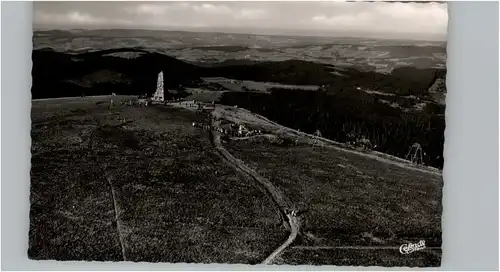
x,y
410,248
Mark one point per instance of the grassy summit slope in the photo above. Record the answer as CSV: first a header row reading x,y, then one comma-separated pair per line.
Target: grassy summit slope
x,y
348,199
175,199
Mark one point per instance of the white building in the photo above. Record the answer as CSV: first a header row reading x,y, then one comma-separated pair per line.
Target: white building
x,y
159,94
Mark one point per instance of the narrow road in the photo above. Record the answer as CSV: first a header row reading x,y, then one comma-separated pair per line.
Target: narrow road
x,y
275,193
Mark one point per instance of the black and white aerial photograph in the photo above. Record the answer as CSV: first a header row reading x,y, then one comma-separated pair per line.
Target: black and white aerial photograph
x,y
238,132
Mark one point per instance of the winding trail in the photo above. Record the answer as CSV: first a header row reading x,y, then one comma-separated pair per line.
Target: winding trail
x,y
293,234
277,196
275,193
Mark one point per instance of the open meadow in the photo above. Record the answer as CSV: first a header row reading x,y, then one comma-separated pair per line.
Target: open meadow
x,y
353,210
139,184
143,184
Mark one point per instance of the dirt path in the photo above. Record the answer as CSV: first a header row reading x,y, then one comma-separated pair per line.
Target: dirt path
x,y
293,234
242,115
357,247
275,193
278,197
117,213
116,207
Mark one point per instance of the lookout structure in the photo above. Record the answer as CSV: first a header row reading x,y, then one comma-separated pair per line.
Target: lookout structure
x,y
316,141
415,154
159,95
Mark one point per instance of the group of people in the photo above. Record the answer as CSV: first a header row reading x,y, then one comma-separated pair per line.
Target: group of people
x,y
207,127
361,142
233,130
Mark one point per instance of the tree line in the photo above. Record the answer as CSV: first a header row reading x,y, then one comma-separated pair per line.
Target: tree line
x,y
337,114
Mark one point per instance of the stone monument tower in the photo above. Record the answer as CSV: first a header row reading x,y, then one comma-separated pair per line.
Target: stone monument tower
x,y
159,94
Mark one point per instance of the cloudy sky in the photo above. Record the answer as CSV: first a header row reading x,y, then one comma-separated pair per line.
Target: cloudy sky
x,y
391,20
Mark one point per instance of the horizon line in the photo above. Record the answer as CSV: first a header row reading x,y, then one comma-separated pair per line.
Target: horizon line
x,y
200,30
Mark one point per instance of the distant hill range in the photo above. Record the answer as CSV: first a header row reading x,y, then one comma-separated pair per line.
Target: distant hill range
x,y
57,74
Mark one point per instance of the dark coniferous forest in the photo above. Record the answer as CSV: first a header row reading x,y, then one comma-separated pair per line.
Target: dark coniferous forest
x,y
350,111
